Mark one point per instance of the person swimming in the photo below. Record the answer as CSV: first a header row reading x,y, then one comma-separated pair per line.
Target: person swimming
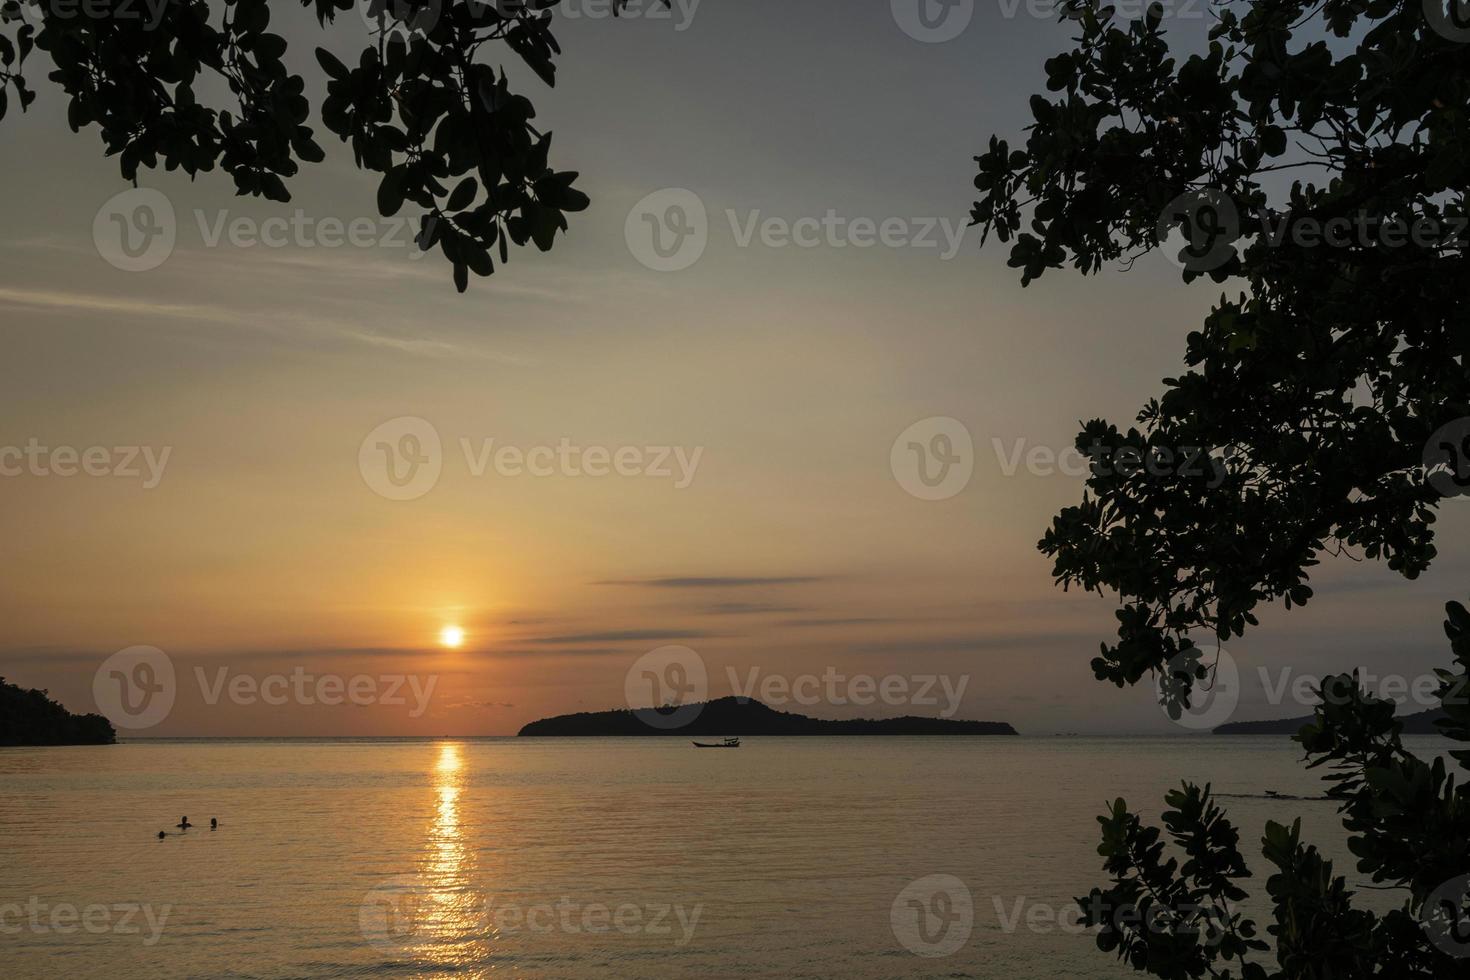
x,y
213,823
184,823
161,835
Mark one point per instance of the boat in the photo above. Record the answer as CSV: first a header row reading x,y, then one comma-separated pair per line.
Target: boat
x,y
729,743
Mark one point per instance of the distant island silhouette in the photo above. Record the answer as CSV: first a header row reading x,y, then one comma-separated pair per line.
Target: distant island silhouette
x,y
29,717
747,716
1419,723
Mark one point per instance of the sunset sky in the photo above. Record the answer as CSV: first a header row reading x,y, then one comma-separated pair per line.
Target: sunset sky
x,y
790,370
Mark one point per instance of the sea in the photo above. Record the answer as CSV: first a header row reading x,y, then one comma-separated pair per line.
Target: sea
x,y
851,857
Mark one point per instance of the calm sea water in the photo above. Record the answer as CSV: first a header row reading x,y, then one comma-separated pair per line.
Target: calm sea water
x,y
589,858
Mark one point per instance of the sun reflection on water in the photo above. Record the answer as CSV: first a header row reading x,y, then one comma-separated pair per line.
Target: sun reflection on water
x,y
452,923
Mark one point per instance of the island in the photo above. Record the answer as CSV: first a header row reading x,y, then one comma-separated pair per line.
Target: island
x,y
1419,723
29,717
747,716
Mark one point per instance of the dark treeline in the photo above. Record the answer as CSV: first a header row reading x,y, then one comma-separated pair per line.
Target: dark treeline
x,y
29,717
742,716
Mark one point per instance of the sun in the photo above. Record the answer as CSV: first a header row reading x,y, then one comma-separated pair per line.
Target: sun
x,y
451,637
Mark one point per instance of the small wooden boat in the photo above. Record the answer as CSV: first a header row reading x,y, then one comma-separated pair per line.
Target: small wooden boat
x,y
729,743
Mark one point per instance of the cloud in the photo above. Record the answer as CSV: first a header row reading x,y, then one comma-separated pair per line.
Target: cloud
x,y
287,326
715,581
228,658
853,621
546,653
746,609
51,300
974,644
623,636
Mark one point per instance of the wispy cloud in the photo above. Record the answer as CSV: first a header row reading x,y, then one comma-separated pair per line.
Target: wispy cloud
x,y
747,609
714,581
44,299
284,325
852,621
973,644
623,636
550,652
44,655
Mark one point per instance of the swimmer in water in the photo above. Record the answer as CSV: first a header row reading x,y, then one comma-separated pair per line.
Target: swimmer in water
x,y
213,823
161,835
184,823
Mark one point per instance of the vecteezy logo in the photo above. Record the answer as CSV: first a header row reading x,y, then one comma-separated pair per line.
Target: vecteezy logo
x,y
135,230
667,230
1198,230
1447,459
1446,917
1450,19
391,916
933,916
402,18
933,21
1211,679
933,458
666,688
402,458
134,688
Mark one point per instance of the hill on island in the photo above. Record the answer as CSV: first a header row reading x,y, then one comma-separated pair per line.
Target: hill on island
x,y
746,716
29,717
1419,723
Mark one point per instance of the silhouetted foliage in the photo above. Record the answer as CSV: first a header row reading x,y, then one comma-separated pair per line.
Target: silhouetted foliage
x,y
29,717
1409,827
1320,393
420,106
1419,723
